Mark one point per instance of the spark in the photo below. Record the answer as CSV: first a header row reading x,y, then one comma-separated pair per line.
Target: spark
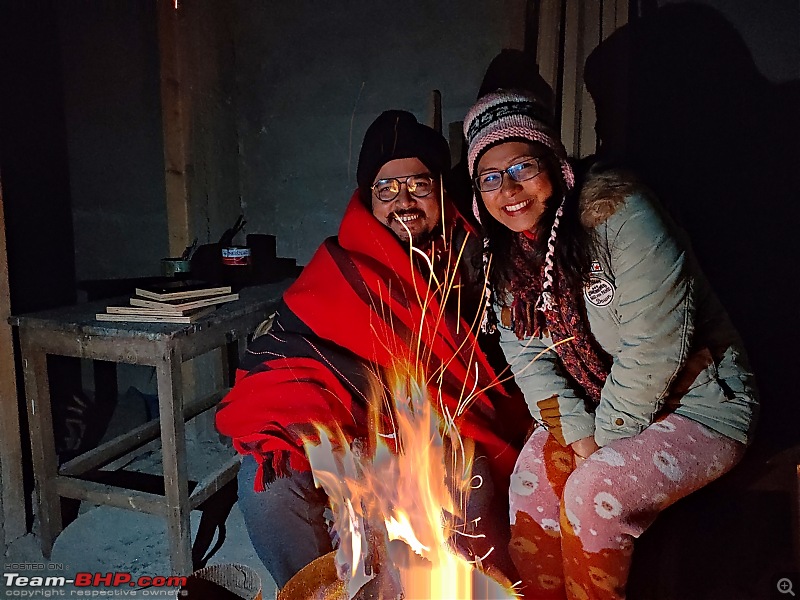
x,y
413,484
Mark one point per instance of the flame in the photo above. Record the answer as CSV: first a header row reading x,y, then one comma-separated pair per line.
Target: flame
x,y
399,498
400,509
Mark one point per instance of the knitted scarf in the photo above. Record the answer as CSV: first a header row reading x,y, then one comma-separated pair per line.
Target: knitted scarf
x,y
582,357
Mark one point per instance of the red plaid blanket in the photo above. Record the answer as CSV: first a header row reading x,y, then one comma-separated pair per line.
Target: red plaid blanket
x,y
358,310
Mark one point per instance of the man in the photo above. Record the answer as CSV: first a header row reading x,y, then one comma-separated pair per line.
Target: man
x,y
365,301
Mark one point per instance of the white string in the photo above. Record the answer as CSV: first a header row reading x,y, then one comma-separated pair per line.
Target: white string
x,y
545,301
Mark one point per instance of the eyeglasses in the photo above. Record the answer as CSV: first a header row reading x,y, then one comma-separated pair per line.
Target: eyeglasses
x,y
418,186
489,181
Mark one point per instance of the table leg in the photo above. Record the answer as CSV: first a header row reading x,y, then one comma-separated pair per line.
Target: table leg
x,y
173,443
231,354
42,437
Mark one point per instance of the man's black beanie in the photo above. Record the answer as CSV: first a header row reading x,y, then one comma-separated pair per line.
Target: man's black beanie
x,y
397,134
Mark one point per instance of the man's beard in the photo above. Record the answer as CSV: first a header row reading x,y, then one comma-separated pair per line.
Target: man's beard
x,y
422,239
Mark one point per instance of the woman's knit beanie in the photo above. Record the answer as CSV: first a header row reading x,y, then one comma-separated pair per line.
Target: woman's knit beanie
x,y
397,134
509,115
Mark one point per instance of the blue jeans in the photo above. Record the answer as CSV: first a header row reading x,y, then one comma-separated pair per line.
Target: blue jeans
x,y
285,522
288,529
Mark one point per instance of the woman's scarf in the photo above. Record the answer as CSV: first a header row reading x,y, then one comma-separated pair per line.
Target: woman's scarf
x,y
582,357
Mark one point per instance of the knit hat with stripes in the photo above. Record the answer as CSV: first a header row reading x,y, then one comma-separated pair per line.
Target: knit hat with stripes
x,y
509,115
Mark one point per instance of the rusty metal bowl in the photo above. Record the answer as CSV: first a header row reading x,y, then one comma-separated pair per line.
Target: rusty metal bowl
x,y
318,581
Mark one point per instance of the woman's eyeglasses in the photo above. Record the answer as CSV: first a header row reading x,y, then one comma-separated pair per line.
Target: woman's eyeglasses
x,y
489,181
418,186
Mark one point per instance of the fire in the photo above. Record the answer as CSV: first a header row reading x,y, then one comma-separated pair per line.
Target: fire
x,y
398,501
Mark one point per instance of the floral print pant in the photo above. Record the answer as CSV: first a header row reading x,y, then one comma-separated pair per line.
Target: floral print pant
x,y
572,528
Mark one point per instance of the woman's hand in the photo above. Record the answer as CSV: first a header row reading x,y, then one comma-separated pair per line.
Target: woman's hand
x,y
583,449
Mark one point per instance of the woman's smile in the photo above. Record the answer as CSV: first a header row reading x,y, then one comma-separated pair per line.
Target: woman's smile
x,y
516,209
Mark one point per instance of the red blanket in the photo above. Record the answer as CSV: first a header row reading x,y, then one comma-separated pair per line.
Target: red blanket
x,y
361,302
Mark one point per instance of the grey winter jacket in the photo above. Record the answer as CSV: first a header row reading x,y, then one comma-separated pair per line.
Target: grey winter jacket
x,y
650,307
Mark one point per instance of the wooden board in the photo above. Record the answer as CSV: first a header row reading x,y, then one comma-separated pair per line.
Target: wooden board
x,y
182,307
548,46
181,291
12,500
154,318
175,126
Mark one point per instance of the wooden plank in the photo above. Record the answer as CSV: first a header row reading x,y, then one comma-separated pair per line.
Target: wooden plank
x,y
130,351
175,125
591,29
796,515
43,450
609,18
570,130
173,443
141,351
623,6
548,45
219,335
214,482
114,448
12,499
435,110
110,495
122,460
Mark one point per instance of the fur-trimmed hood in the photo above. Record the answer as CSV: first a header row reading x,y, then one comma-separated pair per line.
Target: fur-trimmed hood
x,y
603,193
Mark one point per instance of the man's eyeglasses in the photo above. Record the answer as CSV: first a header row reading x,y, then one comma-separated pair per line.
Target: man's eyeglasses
x,y
418,186
489,181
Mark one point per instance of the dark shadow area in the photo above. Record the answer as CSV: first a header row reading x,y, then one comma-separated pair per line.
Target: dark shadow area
x,y
680,100
718,142
36,191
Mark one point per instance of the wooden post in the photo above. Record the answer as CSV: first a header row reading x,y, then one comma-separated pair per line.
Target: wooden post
x,y
591,20
12,499
548,43
585,25
175,107
615,15
435,110
570,132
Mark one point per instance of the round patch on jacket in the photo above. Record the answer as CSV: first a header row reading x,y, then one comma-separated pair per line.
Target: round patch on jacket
x,y
599,292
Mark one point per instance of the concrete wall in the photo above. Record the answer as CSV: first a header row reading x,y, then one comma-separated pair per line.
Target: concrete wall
x,y
109,53
280,96
312,76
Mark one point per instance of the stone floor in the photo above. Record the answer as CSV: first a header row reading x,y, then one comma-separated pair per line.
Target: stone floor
x,y
107,539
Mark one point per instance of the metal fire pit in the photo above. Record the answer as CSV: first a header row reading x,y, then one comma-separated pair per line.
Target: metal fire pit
x,y
318,581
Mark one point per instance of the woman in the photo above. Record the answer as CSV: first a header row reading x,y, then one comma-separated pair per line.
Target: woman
x,y
626,359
